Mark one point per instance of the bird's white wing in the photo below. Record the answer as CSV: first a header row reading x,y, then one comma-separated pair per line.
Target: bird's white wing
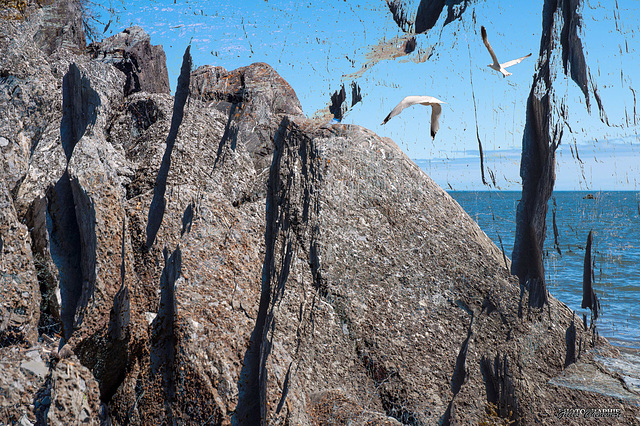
x,y
489,48
406,102
515,61
436,110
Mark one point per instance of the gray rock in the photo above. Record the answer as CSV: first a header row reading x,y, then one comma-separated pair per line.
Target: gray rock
x,y
61,27
24,421
35,367
144,65
19,315
75,398
31,392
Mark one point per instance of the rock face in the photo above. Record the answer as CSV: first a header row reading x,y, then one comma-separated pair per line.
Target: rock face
x,y
61,27
300,274
144,65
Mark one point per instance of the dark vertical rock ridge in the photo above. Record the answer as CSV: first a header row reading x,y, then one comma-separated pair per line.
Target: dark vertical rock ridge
x,y
460,371
500,389
157,208
86,218
72,234
542,136
79,103
589,298
164,330
573,58
537,167
337,100
556,234
251,397
65,248
290,210
570,334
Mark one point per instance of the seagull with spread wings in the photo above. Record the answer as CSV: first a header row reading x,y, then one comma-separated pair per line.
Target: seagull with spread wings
x,y
434,103
497,65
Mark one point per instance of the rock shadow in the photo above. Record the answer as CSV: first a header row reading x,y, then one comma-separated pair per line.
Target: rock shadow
x,y
65,248
158,204
570,339
251,381
163,333
499,387
187,219
79,105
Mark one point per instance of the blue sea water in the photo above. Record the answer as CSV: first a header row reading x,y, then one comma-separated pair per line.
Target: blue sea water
x,y
614,218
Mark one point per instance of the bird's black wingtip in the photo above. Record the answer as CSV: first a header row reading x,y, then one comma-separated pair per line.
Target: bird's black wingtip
x,y
386,119
433,135
483,31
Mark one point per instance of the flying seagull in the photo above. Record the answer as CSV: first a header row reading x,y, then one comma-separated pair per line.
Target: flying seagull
x,y
436,109
497,65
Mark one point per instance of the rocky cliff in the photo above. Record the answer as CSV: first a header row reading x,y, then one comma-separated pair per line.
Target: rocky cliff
x,y
300,273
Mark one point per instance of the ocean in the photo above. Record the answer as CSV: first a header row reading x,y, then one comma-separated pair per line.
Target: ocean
x,y
614,218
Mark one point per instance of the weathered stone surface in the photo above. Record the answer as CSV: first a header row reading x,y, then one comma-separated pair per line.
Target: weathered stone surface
x,y
158,203
38,388
74,394
19,386
215,212
250,97
61,27
258,85
144,65
301,274
19,290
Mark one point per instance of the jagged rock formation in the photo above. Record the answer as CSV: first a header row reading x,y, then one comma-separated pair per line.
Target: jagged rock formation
x,y
301,273
417,17
144,65
339,105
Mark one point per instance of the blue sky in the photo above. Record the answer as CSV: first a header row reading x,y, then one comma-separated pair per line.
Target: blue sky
x,y
318,45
